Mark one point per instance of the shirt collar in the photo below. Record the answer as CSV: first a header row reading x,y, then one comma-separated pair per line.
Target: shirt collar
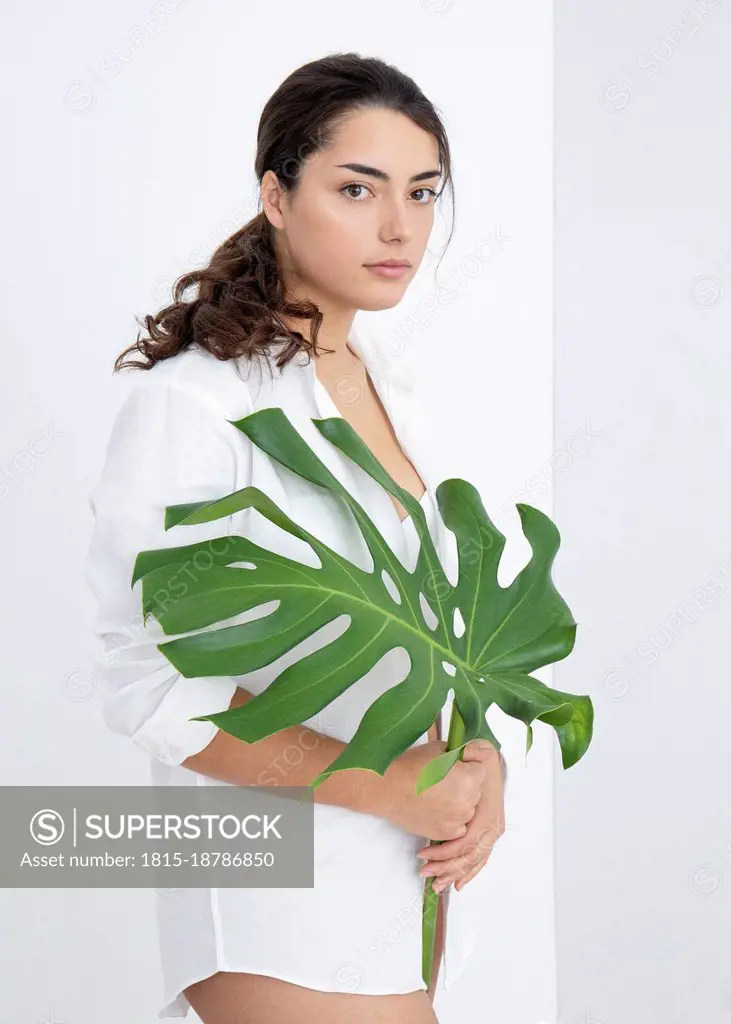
x,y
396,389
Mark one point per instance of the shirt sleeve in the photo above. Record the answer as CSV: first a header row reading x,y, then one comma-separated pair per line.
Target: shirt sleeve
x,y
169,444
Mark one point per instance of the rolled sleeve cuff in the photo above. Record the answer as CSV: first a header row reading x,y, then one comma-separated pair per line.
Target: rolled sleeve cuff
x,y
168,734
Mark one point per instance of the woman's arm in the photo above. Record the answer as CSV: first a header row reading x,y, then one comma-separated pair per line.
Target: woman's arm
x,y
169,444
293,757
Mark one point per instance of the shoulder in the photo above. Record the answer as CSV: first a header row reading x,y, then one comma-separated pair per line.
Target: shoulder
x,y
172,423
194,375
230,387
187,404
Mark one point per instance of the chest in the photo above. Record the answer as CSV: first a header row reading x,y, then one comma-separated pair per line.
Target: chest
x,y
389,422
363,407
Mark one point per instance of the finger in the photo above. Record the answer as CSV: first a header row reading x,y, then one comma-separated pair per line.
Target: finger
x,y
462,875
478,750
444,851
476,770
475,840
440,884
470,874
458,865
484,844
436,870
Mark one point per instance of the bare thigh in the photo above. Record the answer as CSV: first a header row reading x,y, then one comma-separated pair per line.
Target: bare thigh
x,y
238,998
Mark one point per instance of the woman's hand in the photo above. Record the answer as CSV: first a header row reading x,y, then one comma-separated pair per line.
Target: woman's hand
x,y
443,810
457,861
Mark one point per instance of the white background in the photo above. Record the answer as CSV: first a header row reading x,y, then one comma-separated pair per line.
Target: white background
x,y
129,147
643,310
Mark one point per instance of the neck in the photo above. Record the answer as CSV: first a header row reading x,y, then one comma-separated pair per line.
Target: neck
x,y
333,334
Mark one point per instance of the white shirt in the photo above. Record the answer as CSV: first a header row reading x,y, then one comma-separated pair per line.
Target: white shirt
x,y
359,928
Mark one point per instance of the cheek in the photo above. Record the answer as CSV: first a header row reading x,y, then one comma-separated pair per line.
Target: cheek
x,y
422,231
331,242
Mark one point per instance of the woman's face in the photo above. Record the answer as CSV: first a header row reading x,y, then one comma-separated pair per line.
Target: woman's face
x,y
340,218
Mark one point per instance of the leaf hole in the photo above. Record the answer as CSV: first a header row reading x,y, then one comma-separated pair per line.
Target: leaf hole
x,y
390,586
458,626
428,612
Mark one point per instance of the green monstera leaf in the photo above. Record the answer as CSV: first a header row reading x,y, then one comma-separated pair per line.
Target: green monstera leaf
x,y
505,633
508,632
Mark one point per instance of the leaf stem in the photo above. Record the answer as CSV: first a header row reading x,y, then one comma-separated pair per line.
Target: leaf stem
x,y
431,899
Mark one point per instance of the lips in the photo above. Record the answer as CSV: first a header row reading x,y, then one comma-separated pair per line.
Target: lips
x,y
387,269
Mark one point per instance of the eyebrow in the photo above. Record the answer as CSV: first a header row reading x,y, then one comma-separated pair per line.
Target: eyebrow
x,y
374,172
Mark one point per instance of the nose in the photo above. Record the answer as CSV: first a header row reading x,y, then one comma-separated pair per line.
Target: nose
x,y
394,222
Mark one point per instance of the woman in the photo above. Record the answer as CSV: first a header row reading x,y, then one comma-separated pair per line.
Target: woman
x,y
350,155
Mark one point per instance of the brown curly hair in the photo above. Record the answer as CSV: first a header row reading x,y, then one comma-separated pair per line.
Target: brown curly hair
x,y
240,301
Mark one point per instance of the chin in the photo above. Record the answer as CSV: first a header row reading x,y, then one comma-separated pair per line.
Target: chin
x,y
374,303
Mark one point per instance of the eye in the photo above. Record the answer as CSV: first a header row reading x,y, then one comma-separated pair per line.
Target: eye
x,y
430,192
344,189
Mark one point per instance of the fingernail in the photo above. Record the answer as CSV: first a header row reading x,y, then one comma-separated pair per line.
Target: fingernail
x,y
426,872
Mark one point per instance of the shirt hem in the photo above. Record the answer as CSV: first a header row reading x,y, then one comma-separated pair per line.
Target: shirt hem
x,y
177,1005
